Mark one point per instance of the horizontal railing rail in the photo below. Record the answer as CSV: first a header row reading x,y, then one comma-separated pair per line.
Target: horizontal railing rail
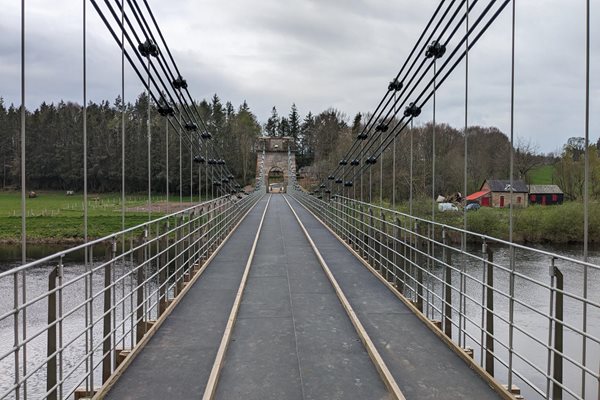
x,y
528,316
67,325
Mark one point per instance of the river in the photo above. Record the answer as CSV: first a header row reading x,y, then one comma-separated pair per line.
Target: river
x,y
532,266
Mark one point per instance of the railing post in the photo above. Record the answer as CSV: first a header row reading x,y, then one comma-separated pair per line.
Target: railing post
x,y
557,373
405,255
162,276
354,227
489,314
447,255
51,372
383,246
335,218
389,243
419,289
178,256
111,250
139,312
363,233
399,283
202,233
371,240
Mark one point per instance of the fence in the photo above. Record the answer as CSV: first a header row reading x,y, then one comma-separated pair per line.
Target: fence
x,y
526,315
101,299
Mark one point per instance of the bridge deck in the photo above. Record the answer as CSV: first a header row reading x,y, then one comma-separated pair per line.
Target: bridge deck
x,y
292,338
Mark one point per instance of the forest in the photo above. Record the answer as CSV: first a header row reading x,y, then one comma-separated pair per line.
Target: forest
x,y
54,146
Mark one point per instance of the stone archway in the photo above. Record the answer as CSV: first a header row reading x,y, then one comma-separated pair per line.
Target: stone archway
x,y
275,175
276,180
279,161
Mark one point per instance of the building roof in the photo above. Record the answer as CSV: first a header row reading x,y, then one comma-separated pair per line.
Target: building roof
x,y
544,189
476,195
503,185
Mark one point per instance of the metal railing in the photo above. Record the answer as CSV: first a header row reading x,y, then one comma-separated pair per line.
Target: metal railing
x,y
68,320
529,317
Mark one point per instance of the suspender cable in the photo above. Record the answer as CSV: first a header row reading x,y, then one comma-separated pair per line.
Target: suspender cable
x,y
510,215
167,160
23,226
433,197
466,133
586,194
207,166
180,161
148,124
462,304
88,281
410,191
381,176
123,125
394,164
123,109
191,174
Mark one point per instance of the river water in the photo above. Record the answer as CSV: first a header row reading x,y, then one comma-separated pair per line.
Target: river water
x,y
533,267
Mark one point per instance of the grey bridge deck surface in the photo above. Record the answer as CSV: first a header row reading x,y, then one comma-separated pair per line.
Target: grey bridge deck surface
x,y
292,338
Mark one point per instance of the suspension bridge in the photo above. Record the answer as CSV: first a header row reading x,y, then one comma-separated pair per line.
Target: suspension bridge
x,y
308,293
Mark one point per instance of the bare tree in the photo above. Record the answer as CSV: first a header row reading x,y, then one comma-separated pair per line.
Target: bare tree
x,y
526,157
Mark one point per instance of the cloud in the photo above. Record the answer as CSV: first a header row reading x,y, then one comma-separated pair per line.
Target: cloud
x,y
319,54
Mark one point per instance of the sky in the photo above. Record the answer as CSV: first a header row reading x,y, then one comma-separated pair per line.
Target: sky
x,y
321,54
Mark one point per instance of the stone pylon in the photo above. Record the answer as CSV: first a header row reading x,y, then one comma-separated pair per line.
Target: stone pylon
x,y
279,159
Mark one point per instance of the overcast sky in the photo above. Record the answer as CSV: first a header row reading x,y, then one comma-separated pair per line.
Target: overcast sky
x,y
320,54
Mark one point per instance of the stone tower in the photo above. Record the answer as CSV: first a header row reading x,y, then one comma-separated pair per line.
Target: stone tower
x,y
276,159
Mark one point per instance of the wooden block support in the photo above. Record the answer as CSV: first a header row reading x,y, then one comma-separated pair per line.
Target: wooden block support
x,y
469,351
149,324
164,303
437,323
121,355
514,389
83,394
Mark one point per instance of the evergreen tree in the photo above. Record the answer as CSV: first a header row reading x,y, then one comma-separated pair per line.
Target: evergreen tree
x,y
272,125
284,127
356,125
305,149
294,124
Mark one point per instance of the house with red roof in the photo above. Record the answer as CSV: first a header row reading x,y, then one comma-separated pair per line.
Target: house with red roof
x,y
497,193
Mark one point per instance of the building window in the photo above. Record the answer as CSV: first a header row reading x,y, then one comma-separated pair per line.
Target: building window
x,y
518,199
554,197
532,197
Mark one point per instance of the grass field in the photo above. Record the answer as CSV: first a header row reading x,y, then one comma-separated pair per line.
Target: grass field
x,y
56,217
559,224
542,175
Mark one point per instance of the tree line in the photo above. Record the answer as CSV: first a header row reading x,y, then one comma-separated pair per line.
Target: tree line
x,y
55,150
54,145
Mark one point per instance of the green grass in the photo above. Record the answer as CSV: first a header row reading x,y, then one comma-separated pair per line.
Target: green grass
x,y
559,224
542,175
55,217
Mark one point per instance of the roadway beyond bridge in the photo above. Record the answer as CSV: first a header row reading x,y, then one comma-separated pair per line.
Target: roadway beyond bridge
x,y
313,323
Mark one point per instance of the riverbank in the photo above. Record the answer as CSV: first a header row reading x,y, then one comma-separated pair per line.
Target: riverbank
x,y
556,224
55,218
